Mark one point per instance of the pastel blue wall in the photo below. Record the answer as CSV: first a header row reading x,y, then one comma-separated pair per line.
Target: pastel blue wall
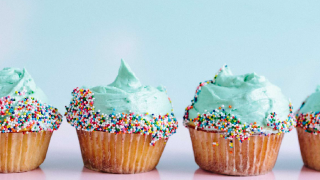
x,y
65,44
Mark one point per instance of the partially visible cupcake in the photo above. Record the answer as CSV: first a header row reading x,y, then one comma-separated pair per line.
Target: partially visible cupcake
x,y
308,127
237,122
26,123
122,127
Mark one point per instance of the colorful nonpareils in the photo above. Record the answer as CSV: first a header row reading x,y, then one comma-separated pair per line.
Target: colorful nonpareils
x,y
310,122
231,126
27,115
82,115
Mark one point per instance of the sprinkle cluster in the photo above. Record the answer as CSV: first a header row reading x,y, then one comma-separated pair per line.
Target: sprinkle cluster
x,y
82,115
27,115
231,126
310,122
282,126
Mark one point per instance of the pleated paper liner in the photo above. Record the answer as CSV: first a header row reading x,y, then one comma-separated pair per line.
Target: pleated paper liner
x,y
256,156
20,152
119,153
310,148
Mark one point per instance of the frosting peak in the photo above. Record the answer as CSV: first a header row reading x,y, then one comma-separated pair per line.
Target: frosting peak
x,y
126,94
123,106
126,78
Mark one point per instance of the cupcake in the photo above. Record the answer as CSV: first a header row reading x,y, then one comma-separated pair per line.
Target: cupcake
x,y
237,122
122,127
26,122
308,127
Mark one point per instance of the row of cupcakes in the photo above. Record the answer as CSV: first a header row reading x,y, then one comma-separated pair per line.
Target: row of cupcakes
x,y
236,123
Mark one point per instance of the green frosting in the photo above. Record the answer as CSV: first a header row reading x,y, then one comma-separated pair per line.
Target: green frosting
x,y
312,104
251,98
14,81
126,94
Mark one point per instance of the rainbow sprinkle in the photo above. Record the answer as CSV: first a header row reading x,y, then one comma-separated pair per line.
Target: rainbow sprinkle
x,y
230,125
310,122
28,115
82,115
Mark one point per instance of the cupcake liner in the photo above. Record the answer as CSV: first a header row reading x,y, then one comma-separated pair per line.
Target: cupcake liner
x,y
119,153
256,156
21,151
310,148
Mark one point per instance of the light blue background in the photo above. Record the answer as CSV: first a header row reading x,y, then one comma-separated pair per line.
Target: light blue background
x,y
65,44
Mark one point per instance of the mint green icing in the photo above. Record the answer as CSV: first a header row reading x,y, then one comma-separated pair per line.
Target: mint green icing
x,y
14,80
312,104
126,94
251,96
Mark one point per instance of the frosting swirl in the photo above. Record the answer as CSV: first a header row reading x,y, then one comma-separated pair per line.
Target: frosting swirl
x,y
249,100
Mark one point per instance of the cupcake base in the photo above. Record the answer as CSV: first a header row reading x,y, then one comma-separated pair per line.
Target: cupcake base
x,y
20,152
310,148
119,153
256,156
